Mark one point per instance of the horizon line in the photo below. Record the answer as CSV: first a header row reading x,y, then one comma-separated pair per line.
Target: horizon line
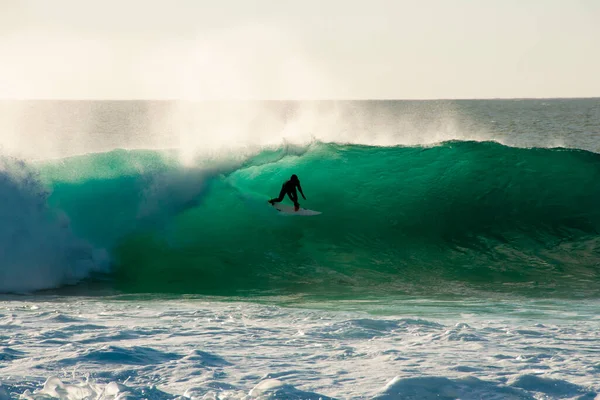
x,y
175,99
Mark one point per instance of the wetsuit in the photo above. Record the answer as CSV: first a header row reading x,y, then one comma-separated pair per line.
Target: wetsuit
x,y
289,188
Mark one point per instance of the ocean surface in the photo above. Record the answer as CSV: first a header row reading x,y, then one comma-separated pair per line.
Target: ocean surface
x,y
457,255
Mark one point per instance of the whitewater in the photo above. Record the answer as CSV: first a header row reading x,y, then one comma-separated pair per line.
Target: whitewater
x,y
457,254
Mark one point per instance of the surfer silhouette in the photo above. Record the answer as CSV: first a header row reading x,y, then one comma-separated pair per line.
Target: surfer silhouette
x,y
289,188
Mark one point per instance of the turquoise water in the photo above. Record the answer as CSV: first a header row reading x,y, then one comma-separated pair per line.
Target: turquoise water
x,y
456,217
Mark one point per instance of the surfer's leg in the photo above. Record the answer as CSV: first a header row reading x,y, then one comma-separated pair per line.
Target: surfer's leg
x,y
294,197
281,196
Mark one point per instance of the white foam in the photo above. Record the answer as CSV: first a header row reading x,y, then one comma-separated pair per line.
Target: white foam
x,y
88,389
76,348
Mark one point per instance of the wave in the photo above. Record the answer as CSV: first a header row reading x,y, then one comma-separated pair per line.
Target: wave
x,y
452,218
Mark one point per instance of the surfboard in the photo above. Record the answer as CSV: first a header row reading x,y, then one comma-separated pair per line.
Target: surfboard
x,y
289,210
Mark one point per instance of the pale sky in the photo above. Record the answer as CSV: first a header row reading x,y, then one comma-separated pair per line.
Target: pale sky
x,y
309,49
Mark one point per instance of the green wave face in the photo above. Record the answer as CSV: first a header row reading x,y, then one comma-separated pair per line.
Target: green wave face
x,y
459,217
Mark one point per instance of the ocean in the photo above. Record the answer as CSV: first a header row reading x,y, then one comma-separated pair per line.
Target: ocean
x,y
457,255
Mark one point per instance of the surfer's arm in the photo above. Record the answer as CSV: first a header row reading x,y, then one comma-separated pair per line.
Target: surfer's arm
x,y
300,189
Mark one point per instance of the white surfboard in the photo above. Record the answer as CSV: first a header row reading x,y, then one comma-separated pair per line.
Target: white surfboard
x,y
287,209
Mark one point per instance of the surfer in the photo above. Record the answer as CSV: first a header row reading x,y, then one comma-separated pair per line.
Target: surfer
x,y
289,188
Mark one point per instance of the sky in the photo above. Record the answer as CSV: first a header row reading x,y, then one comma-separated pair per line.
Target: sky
x,y
310,49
